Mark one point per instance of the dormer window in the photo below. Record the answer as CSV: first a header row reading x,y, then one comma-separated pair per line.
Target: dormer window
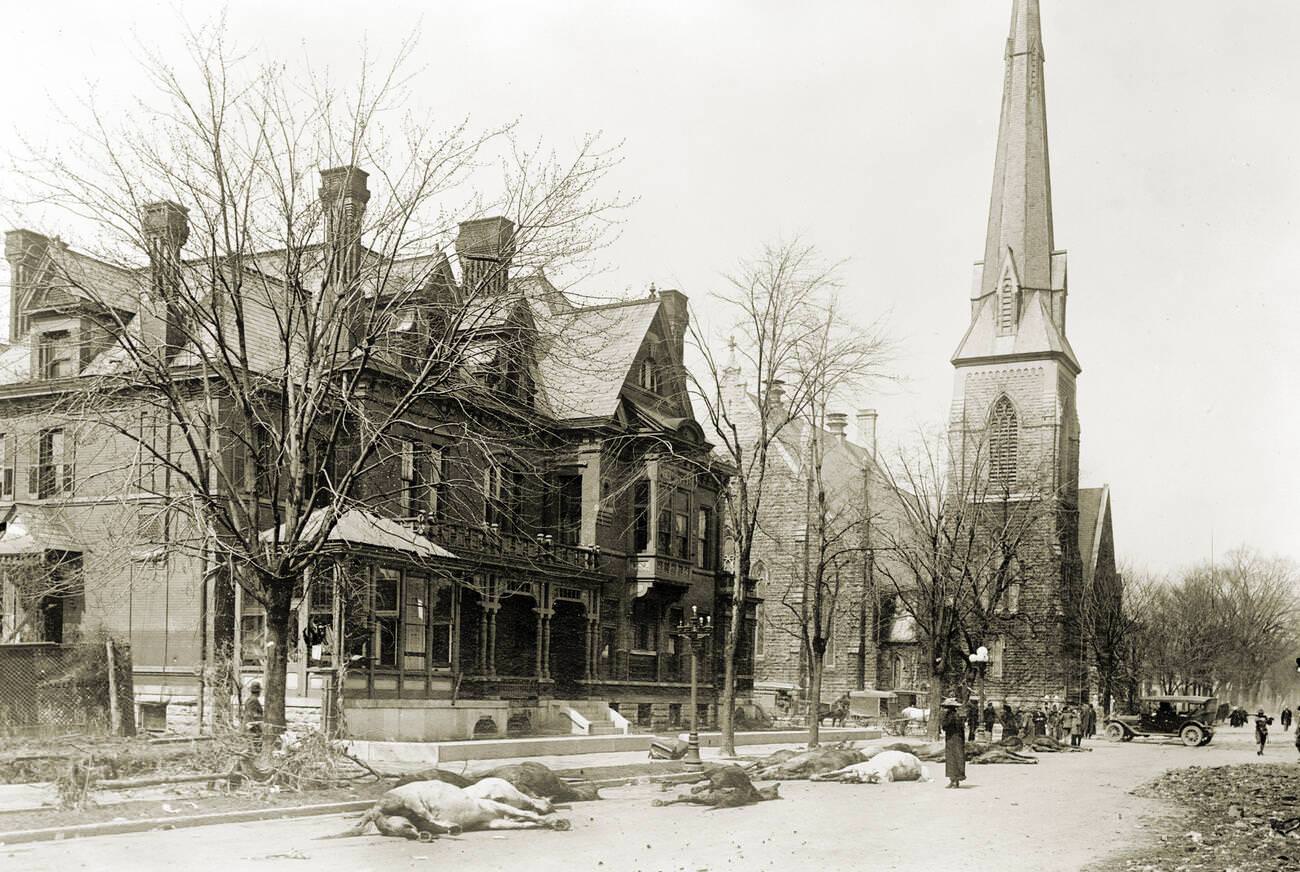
x,y
649,378
55,355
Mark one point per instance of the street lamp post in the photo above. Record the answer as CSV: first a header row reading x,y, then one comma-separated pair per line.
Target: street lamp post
x,y
695,630
980,660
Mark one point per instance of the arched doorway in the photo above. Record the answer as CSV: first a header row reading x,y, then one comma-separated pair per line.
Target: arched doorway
x,y
568,646
517,637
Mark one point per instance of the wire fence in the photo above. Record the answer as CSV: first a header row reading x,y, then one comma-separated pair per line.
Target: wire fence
x,y
51,689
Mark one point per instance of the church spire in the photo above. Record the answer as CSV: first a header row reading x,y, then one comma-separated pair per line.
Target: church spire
x,y
1020,209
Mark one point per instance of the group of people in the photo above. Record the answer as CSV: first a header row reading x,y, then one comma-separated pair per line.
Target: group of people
x,y
1078,722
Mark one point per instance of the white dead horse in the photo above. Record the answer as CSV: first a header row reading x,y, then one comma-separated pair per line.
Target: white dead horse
x,y
881,768
426,809
500,790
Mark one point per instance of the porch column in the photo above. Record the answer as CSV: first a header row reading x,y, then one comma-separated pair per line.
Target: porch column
x,y
543,670
592,656
491,635
481,658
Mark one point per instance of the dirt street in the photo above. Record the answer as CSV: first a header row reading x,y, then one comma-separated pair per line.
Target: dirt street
x,y
1069,812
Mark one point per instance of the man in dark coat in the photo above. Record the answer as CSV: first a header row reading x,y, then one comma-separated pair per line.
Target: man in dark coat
x,y
1286,719
954,743
252,713
990,718
972,717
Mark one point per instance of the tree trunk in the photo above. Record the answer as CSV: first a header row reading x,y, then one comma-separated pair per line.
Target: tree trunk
x,y
279,636
727,703
815,696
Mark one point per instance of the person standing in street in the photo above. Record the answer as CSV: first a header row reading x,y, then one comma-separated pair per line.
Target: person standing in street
x,y
954,742
990,718
1089,721
1261,732
1075,725
1285,719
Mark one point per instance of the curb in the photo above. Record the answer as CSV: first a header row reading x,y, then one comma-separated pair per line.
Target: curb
x,y
116,828
113,828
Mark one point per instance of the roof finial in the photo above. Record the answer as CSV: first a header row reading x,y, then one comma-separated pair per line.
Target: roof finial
x,y
653,291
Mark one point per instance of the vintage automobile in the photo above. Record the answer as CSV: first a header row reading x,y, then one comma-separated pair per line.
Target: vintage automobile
x,y
1190,718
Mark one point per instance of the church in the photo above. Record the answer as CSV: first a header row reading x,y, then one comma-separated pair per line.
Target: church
x,y
1014,396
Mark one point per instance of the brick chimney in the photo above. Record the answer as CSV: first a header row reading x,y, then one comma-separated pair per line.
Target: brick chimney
x,y
343,197
837,423
678,316
486,249
24,249
165,226
867,430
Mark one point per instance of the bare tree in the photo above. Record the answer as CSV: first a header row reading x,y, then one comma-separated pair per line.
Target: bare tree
x,y
962,545
788,354
290,344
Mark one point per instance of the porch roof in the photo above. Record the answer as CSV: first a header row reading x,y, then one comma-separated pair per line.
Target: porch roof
x,y
33,529
359,527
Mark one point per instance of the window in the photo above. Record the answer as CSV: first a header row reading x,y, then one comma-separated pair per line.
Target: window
x,y
1008,303
387,583
681,534
408,496
644,714
318,635
645,624
252,630
705,537
665,532
53,473
431,472
502,497
440,623
6,466
1004,438
648,377
995,658
641,516
758,572
415,620
564,510
1013,598
54,355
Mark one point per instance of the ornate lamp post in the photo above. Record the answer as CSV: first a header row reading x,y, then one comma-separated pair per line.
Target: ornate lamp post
x,y
980,660
695,630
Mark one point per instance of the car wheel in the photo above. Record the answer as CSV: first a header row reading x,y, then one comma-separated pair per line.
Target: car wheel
x,y
1192,735
1116,733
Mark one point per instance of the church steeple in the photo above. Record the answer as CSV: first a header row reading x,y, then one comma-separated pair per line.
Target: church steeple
x,y
1020,209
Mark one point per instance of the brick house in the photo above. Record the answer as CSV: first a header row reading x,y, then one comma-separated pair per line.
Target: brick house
x,y
464,590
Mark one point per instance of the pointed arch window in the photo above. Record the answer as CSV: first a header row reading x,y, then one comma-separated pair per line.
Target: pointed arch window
x,y
1004,441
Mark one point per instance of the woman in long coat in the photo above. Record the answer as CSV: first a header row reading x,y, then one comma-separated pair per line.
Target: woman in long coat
x,y
954,742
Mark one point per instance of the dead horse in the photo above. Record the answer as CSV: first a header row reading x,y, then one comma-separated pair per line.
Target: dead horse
x,y
724,787
426,809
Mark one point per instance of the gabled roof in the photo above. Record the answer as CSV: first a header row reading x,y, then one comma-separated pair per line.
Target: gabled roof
x,y
1094,516
359,527
35,529
1036,336
587,354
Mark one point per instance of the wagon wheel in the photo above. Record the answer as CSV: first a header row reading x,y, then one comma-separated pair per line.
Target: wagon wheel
x,y
1192,735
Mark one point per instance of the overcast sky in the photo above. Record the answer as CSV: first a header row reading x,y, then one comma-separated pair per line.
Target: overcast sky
x,y
867,128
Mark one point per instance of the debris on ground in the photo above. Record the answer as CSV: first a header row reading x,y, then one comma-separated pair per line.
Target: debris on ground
x,y
1243,817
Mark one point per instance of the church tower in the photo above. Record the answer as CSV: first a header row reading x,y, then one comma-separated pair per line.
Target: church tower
x,y
1013,416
